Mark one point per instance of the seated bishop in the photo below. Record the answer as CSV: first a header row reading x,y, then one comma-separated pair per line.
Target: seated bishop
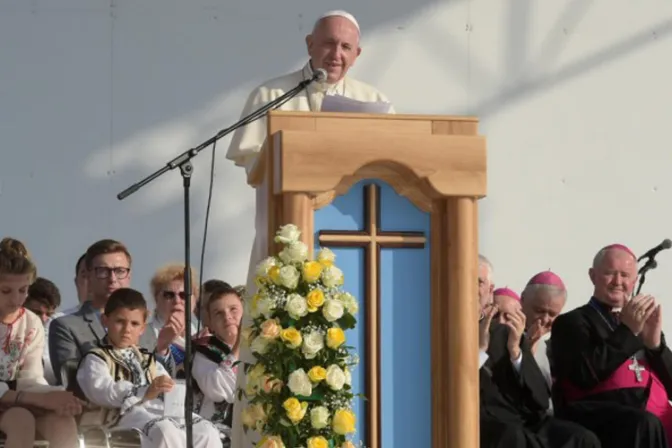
x,y
611,366
507,301
515,396
543,299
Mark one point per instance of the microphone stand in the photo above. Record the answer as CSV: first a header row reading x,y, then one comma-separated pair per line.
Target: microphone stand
x,y
650,264
183,162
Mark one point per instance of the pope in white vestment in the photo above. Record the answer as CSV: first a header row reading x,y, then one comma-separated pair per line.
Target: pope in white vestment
x,y
333,46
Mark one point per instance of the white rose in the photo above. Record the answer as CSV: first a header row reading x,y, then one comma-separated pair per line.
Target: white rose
x,y
265,307
349,302
299,383
352,306
289,277
326,256
296,306
319,417
332,310
348,376
335,377
265,265
287,234
332,277
313,342
294,253
259,345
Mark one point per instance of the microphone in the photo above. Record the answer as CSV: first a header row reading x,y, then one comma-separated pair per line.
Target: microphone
x,y
320,75
666,244
648,266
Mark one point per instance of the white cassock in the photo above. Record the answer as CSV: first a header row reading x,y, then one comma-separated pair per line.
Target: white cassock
x,y
244,149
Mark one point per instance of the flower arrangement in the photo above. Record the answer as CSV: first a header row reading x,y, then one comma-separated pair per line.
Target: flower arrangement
x,y
299,388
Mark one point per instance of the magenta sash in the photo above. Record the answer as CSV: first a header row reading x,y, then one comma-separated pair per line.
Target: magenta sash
x,y
624,378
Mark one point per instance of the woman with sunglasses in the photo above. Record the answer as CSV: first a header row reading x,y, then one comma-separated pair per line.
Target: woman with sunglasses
x,y
168,322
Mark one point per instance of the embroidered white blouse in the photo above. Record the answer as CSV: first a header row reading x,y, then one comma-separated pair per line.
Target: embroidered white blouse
x,y
21,349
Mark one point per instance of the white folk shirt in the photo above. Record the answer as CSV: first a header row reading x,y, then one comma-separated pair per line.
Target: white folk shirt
x,y
158,431
21,349
217,383
245,146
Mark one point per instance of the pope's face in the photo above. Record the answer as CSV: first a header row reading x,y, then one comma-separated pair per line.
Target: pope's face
x,y
334,46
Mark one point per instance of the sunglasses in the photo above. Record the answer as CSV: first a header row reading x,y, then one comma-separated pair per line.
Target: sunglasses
x,y
172,295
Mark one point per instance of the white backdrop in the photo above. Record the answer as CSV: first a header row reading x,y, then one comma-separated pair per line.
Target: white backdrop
x,y
574,98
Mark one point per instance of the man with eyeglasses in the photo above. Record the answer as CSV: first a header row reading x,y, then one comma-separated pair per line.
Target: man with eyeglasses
x,y
108,266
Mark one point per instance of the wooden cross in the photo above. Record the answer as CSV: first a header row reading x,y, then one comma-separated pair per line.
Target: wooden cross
x,y
637,368
372,239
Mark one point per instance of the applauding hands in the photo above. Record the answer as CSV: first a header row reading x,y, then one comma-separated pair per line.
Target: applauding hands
x,y
484,326
644,317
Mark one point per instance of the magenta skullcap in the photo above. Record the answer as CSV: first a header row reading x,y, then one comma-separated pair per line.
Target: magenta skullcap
x,y
547,278
506,292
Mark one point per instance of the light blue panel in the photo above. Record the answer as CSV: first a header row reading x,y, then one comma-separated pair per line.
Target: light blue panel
x,y
406,383
347,213
405,314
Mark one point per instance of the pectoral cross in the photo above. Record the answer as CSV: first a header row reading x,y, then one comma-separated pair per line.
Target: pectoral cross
x,y
635,367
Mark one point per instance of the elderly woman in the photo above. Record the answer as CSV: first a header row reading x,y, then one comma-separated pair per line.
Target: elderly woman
x,y
168,322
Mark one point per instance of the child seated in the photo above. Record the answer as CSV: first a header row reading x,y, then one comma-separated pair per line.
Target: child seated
x,y
213,371
128,382
27,403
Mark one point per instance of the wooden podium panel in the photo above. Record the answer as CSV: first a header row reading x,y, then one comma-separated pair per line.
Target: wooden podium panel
x,y
317,171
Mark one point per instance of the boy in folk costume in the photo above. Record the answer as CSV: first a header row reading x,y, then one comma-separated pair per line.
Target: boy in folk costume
x,y
214,372
129,384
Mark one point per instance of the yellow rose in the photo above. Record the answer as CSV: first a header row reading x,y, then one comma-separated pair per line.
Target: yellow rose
x,y
274,274
344,422
247,418
335,338
311,271
256,372
270,442
292,337
296,409
270,329
317,374
315,300
348,444
318,442
326,257
254,306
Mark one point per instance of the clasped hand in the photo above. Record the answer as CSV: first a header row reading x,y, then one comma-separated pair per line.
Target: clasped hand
x,y
516,323
644,318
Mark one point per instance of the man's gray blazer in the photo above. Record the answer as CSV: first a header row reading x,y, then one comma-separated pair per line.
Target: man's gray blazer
x,y
72,336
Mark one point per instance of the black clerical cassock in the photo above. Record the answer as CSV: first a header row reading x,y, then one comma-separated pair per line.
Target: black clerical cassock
x,y
606,380
514,404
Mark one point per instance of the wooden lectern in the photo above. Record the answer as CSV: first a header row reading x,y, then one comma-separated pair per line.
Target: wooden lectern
x,y
439,164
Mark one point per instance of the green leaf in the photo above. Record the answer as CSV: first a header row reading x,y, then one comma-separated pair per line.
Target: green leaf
x,y
347,322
